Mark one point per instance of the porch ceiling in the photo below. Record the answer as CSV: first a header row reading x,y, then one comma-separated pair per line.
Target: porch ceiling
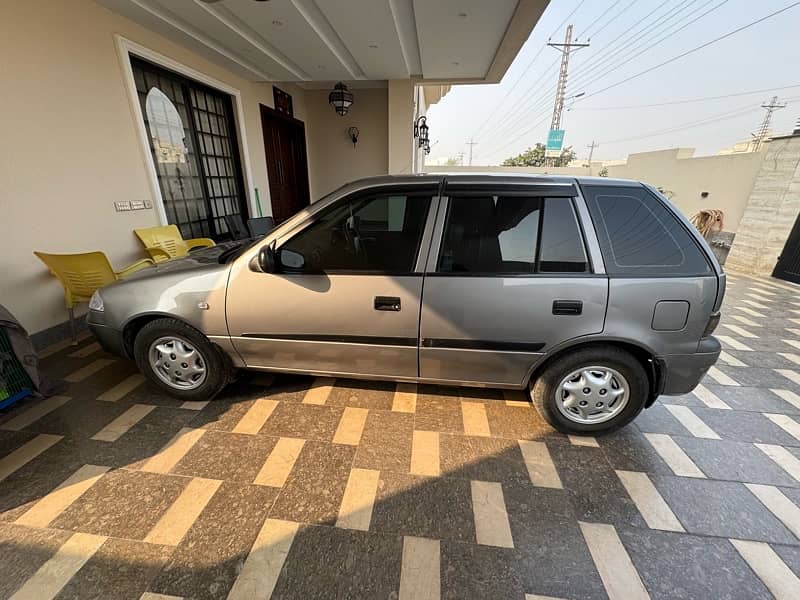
x,y
328,40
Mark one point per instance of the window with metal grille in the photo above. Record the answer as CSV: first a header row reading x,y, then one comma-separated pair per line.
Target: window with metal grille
x,y
193,143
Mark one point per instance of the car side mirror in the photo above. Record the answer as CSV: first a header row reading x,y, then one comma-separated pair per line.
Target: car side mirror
x,y
291,259
266,258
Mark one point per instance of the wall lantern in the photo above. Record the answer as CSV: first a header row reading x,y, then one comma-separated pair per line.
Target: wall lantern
x,y
340,98
352,133
421,133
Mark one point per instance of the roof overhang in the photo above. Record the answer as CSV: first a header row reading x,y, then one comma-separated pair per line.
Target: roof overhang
x,y
320,41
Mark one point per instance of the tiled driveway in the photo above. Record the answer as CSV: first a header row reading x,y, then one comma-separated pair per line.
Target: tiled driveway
x,y
340,489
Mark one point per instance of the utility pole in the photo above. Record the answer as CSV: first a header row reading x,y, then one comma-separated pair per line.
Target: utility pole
x,y
461,159
591,148
561,88
761,134
471,143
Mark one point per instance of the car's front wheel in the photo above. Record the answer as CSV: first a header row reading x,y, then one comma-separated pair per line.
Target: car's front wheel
x,y
180,360
592,390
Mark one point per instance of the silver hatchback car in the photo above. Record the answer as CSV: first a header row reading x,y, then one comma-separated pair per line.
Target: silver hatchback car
x,y
596,293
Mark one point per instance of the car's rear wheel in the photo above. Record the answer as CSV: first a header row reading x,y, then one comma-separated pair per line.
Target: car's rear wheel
x,y
180,360
593,390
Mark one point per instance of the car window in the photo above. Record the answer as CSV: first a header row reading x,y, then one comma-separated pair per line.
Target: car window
x,y
562,249
378,233
639,235
490,234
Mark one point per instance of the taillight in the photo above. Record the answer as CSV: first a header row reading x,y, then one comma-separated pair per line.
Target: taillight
x,y
713,321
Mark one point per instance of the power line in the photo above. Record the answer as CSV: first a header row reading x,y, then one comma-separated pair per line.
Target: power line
x,y
693,50
690,100
624,10
638,51
603,14
525,71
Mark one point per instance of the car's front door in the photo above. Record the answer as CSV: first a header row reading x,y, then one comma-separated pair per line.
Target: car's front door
x,y
510,280
345,294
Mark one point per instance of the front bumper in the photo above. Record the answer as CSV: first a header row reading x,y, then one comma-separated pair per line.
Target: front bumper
x,y
682,372
110,339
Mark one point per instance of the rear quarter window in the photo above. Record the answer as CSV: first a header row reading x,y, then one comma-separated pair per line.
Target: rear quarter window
x,y
639,235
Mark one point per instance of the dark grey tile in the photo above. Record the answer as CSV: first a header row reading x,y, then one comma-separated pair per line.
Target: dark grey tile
x,y
481,458
24,550
327,562
518,422
752,399
720,508
226,456
123,504
548,543
658,419
120,569
289,388
314,489
734,461
304,421
211,555
438,409
757,377
79,418
424,507
681,566
745,427
790,555
374,395
628,450
473,571
596,492
386,442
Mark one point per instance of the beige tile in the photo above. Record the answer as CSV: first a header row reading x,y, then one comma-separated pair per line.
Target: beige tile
x,y
254,419
720,377
788,396
358,500
56,572
475,420
790,374
122,389
194,405
613,563
53,504
405,398
733,343
652,506
779,505
174,451
539,463
319,391
120,426
784,459
673,455
583,440
34,413
419,570
174,524
425,453
693,424
263,564
731,360
351,426
57,347
280,462
709,398
787,423
89,370
778,578
154,596
26,453
516,398
491,518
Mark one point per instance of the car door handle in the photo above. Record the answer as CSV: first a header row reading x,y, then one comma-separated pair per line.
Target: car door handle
x,y
387,303
567,307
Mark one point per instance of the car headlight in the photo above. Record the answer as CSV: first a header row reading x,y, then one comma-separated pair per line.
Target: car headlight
x,y
96,302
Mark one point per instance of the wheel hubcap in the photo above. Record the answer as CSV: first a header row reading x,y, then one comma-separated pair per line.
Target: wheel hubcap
x,y
177,363
592,395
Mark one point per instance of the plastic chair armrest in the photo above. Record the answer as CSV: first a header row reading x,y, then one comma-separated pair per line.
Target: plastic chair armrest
x,y
137,266
157,254
199,243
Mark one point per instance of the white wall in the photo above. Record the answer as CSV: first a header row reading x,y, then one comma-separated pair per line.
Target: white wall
x,y
70,148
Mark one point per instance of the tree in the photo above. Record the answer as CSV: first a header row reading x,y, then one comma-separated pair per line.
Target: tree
x,y
603,172
534,157
451,162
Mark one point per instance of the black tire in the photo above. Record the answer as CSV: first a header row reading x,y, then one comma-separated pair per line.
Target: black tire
x,y
543,389
218,369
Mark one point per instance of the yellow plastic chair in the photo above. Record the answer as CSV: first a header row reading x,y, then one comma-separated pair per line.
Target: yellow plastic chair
x,y
82,274
165,242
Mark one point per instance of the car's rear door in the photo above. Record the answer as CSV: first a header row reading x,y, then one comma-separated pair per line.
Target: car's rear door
x,y
352,308
508,278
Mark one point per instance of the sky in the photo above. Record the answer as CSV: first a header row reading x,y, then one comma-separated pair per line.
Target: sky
x,y
506,118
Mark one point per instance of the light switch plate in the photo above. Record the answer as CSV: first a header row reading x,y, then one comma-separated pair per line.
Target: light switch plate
x,y
122,206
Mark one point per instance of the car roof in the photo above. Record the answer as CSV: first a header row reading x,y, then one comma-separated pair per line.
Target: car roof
x,y
478,177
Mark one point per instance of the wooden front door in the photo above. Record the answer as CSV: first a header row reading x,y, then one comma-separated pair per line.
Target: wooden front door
x,y
287,166
788,267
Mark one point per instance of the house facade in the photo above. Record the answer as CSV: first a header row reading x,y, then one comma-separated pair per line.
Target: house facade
x,y
122,114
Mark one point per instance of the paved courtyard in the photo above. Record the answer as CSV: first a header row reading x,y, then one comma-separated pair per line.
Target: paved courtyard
x,y
317,488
